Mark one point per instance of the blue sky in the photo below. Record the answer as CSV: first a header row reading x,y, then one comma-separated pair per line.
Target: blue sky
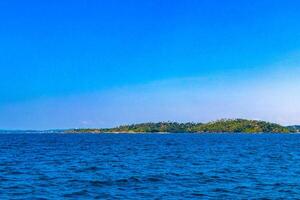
x,y
103,63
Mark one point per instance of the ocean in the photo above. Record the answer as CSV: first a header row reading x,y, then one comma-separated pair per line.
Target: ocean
x,y
149,166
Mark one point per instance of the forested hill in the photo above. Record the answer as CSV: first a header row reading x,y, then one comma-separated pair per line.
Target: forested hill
x,y
225,125
295,128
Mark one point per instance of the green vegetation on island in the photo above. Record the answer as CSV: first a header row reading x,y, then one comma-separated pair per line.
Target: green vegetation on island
x,y
295,128
220,126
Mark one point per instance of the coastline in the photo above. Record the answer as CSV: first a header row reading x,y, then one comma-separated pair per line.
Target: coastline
x,y
219,126
162,133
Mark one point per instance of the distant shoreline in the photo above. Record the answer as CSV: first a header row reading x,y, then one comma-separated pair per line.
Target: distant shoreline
x,y
231,126
219,126
166,133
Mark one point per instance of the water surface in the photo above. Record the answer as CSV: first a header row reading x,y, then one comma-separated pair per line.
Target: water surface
x,y
149,166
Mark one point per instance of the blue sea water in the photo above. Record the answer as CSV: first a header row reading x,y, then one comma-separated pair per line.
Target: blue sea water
x,y
149,166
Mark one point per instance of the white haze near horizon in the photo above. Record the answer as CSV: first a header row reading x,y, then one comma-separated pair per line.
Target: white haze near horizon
x,y
271,95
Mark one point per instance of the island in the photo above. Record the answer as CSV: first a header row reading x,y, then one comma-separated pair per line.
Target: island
x,y
219,126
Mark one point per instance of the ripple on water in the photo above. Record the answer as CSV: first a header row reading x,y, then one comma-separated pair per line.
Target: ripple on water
x,y
77,194
173,166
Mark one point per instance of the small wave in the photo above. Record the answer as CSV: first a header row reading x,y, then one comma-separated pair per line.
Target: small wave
x,y
154,179
195,194
97,183
128,180
102,183
87,169
220,190
76,194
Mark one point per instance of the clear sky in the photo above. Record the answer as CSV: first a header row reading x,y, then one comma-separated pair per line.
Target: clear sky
x,y
88,63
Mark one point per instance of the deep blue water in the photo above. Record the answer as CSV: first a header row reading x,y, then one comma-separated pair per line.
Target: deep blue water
x,y
149,166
